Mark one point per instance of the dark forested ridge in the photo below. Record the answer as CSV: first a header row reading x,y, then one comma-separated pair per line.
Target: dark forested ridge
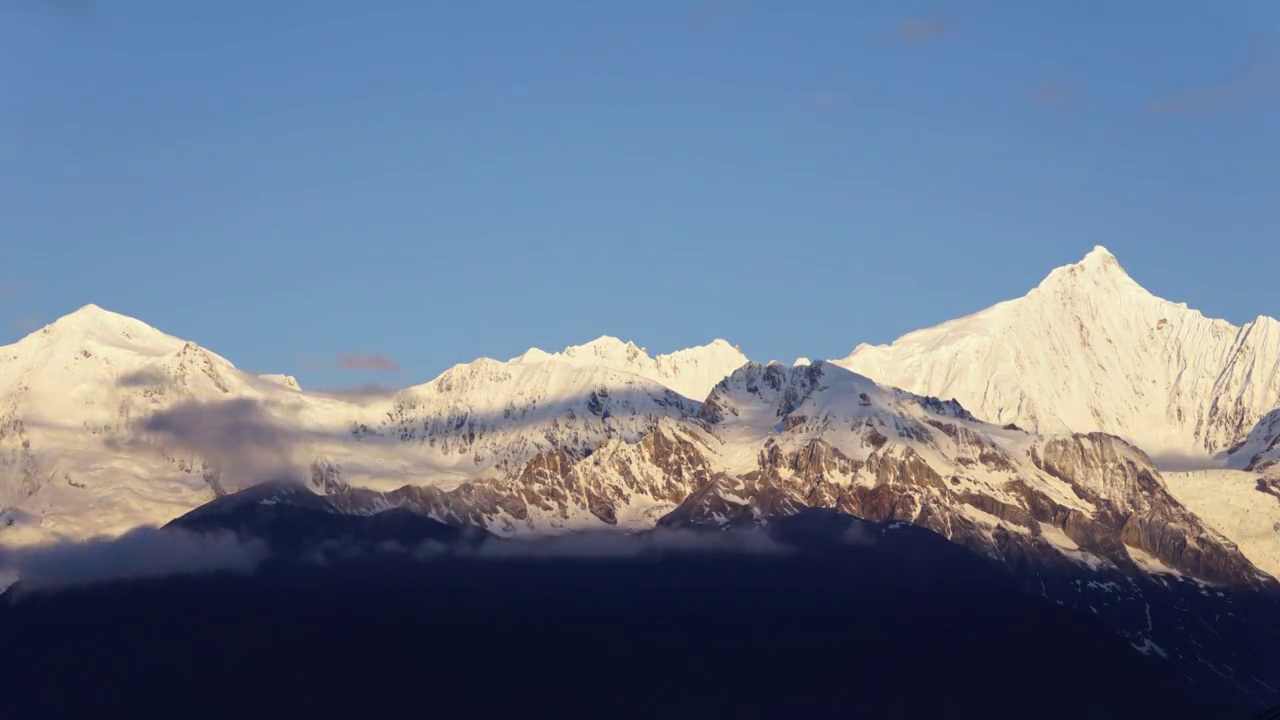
x,y
906,625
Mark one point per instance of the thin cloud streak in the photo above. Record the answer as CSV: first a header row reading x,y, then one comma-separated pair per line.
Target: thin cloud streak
x,y
920,30
711,12
364,390
372,362
1211,98
27,324
1055,94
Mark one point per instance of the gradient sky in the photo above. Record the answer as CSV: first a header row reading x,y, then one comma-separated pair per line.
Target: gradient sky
x,y
290,182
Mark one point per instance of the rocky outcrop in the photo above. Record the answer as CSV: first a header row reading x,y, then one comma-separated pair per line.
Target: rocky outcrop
x,y
729,502
1134,507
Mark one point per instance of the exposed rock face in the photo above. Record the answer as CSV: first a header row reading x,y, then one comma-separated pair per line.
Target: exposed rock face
x,y
1134,505
559,489
728,501
20,475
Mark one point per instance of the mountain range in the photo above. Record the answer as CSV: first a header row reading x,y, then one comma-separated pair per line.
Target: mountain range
x,y
1025,433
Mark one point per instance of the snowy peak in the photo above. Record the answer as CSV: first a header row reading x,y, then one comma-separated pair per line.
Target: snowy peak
x,y
100,370
1090,350
691,372
94,318
606,349
94,322
1098,275
1100,256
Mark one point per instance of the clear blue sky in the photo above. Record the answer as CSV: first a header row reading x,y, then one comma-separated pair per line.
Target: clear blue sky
x,y
284,182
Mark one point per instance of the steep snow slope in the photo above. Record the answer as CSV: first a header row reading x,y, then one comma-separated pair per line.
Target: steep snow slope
x,y
1091,350
1260,450
1240,505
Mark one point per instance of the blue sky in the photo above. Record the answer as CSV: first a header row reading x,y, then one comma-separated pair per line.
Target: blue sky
x,y
288,182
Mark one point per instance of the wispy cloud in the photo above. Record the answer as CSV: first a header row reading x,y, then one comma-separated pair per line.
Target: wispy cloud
x,y
1256,84
920,30
1054,93
365,390
711,12
238,437
613,544
825,101
146,377
27,324
376,362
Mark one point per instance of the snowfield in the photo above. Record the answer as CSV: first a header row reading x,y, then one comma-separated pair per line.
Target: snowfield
x,y
1230,502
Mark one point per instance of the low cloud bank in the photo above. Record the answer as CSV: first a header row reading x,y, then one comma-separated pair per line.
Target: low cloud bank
x,y
583,545
614,544
138,554
154,553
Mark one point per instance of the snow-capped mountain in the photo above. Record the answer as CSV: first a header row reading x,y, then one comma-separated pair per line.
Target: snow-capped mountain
x,y
831,438
1084,520
107,423
1090,350
72,398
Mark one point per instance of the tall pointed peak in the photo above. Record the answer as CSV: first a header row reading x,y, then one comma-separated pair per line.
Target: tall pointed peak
x,y
1098,271
94,316
1099,256
718,347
